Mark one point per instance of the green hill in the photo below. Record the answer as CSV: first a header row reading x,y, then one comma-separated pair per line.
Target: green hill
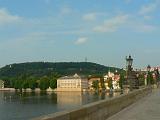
x,y
40,69
44,68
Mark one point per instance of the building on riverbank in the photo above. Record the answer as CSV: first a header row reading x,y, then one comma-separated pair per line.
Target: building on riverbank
x,y
91,80
72,83
114,77
1,84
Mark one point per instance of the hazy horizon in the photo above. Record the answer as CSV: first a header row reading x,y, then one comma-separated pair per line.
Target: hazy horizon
x,y
104,31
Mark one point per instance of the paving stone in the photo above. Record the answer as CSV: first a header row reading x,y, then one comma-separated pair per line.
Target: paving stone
x,y
147,108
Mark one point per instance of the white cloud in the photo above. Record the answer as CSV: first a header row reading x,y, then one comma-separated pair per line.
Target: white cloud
x,y
112,25
93,16
89,17
81,40
145,28
147,17
6,17
146,9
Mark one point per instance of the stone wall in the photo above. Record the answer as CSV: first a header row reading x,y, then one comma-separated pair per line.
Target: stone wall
x,y
100,110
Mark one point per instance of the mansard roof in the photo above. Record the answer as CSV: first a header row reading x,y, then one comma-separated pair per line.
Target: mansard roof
x,y
75,76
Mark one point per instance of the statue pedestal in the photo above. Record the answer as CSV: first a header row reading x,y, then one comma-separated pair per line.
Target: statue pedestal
x,y
131,82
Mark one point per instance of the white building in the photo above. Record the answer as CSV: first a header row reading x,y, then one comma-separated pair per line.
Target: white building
x,y
109,75
72,83
115,77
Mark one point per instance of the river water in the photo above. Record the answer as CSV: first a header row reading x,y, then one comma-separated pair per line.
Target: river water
x,y
24,106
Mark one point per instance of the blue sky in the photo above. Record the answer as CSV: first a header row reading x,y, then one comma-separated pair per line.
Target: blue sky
x,y
104,31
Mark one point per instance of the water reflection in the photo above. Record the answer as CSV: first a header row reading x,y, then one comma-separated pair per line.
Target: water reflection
x,y
29,97
26,105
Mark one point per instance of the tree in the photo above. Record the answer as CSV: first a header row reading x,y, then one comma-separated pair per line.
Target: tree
x,y
32,82
53,83
121,81
54,75
95,84
150,78
25,84
18,84
53,79
44,83
102,83
110,84
12,80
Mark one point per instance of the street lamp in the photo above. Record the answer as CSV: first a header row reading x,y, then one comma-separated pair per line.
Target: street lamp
x,y
148,76
148,68
129,61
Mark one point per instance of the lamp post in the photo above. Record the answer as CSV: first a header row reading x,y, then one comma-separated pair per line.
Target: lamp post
x,y
148,74
129,62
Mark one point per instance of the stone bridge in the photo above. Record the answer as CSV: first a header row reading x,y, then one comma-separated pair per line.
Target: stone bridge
x,y
147,108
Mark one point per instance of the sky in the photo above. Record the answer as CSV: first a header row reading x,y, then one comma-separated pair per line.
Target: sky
x,y
103,31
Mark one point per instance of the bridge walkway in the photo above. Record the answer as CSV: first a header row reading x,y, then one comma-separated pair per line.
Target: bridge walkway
x,y
148,108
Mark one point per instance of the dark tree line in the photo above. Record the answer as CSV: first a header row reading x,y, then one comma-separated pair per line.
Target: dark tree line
x,y
44,82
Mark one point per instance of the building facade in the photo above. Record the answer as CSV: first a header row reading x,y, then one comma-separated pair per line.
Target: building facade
x,y
72,83
1,84
116,81
108,75
112,78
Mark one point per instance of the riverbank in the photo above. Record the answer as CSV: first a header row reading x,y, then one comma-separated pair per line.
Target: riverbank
x,y
27,90
7,89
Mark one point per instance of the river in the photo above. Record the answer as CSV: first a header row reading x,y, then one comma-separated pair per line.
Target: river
x,y
24,106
